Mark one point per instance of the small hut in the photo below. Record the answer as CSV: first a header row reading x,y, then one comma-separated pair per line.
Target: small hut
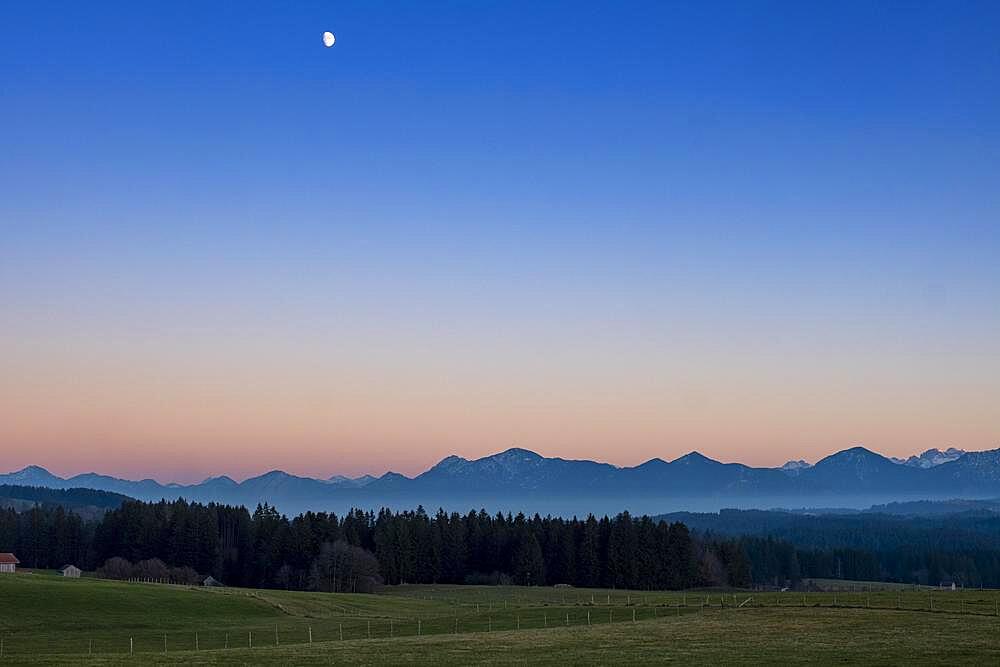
x,y
8,563
70,571
211,582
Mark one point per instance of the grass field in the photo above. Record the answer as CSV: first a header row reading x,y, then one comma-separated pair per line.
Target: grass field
x,y
50,620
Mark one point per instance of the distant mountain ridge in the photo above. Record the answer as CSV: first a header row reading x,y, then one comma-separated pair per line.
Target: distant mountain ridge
x,y
520,478
931,457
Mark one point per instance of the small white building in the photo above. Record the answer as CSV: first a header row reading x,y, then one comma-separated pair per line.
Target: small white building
x,y
70,571
8,563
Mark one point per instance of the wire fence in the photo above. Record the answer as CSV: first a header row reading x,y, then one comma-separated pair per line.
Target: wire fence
x,y
320,630
482,617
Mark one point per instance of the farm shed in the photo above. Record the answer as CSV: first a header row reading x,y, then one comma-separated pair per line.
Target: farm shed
x,y
8,563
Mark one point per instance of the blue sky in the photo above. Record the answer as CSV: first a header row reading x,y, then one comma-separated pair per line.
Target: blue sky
x,y
593,230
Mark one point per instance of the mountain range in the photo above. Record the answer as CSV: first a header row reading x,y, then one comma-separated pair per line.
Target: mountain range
x,y
932,457
521,480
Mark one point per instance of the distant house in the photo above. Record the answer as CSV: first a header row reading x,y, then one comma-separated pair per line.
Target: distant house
x,y
8,563
71,571
211,582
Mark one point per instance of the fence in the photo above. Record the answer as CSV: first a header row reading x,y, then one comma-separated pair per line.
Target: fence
x,y
486,616
346,629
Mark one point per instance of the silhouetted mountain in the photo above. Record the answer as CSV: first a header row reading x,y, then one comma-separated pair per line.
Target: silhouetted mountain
x,y
696,475
33,476
974,473
519,479
513,470
90,480
858,468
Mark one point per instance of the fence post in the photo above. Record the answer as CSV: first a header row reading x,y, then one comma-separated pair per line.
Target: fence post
x,y
276,643
567,618
633,614
341,632
310,634
131,647
196,645
588,617
250,639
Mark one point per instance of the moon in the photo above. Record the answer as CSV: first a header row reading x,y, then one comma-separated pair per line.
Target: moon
x,y
328,39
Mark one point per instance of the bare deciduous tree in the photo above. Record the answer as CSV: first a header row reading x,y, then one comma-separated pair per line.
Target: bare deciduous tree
x,y
341,567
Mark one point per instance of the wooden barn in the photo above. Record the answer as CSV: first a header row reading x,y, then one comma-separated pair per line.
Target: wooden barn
x,y
71,571
8,563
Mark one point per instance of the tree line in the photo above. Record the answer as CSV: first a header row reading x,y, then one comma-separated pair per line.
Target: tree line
x,y
354,552
779,562
962,547
177,540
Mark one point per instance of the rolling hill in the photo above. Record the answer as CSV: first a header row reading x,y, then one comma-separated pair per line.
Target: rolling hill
x,y
88,503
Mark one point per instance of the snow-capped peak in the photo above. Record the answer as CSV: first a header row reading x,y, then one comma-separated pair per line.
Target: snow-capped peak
x,y
795,467
931,458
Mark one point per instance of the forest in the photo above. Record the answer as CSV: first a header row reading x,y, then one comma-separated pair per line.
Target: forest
x,y
961,547
321,551
183,541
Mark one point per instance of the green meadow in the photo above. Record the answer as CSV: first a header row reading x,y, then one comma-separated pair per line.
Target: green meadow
x,y
49,620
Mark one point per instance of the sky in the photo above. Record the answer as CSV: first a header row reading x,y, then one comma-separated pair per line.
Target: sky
x,y
616,231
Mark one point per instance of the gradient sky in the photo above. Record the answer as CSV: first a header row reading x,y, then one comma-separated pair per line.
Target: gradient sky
x,y
762,230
